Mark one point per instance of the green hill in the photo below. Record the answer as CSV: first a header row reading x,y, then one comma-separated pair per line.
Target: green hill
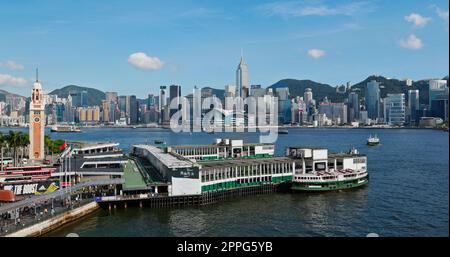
x,y
395,86
95,96
387,86
297,88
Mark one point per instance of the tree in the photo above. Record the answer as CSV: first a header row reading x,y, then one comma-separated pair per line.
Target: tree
x,y
24,141
3,142
48,144
13,139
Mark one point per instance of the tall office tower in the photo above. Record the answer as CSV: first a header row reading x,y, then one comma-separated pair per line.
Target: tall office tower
x,y
111,96
230,91
258,91
174,93
349,86
75,96
242,79
438,98
282,93
308,96
106,105
37,119
394,109
84,98
162,102
373,99
413,105
132,109
122,106
151,101
353,100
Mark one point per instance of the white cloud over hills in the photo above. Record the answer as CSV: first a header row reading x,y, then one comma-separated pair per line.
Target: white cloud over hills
x,y
316,53
11,65
8,80
143,61
417,19
411,42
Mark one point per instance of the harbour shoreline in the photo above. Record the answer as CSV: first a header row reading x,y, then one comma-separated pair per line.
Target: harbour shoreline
x,y
56,222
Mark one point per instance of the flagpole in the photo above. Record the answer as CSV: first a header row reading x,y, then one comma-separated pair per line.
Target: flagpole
x,y
70,179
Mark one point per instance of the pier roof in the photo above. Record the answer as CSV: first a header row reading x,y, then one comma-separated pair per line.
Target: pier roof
x,y
244,161
220,145
343,155
168,159
307,147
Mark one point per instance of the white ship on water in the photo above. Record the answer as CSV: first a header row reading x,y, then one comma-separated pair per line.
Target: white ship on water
x,y
65,129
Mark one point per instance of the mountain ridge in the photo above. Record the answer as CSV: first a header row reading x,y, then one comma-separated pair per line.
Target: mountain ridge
x,y
296,88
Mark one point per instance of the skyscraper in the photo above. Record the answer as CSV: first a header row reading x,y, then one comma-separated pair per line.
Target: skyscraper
x,y
151,101
413,105
162,103
395,109
174,93
353,100
438,98
84,98
242,79
308,96
111,96
132,109
122,105
230,91
373,99
105,110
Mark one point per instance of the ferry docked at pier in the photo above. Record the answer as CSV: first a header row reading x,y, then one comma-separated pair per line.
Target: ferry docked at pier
x,y
319,171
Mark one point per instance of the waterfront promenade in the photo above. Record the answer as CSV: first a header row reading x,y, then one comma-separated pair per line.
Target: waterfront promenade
x,y
36,209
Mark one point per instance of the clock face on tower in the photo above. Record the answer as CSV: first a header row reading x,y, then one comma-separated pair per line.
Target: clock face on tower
x,y
36,119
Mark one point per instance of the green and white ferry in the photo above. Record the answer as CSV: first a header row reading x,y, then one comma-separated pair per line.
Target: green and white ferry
x,y
316,170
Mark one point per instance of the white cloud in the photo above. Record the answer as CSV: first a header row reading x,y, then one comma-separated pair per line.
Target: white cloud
x,y
8,80
316,53
417,19
441,13
144,62
299,9
11,65
411,42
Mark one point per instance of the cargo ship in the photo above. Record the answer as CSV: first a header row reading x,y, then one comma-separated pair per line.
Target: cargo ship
x,y
318,171
65,129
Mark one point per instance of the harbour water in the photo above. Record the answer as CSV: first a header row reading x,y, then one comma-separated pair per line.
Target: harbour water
x,y
407,194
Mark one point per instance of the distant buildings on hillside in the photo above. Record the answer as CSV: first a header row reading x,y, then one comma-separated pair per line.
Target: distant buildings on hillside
x,y
394,109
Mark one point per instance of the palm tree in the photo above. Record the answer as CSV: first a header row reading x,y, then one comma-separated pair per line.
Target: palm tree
x,y
24,141
13,141
48,144
2,144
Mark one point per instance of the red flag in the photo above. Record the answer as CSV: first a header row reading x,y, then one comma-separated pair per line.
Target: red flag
x,y
63,146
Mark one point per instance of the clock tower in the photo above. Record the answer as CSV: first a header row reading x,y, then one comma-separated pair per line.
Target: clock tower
x,y
37,120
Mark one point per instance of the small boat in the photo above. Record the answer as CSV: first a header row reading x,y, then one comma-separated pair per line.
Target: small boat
x,y
65,129
283,131
159,142
372,141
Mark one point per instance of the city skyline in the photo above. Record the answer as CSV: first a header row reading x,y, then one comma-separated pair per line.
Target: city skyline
x,y
86,45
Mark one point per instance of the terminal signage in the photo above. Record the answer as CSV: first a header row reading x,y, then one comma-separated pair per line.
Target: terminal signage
x,y
28,188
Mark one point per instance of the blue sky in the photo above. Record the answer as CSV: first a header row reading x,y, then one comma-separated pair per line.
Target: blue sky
x,y
133,47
